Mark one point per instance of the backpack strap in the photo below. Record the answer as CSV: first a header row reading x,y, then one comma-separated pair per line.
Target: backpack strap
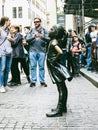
x,y
76,45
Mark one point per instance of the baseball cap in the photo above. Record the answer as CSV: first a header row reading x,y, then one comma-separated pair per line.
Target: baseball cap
x,y
93,25
69,30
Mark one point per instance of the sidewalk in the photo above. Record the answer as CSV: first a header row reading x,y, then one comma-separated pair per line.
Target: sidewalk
x,y
91,76
25,108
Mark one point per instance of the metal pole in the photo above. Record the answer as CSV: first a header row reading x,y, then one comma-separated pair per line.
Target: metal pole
x,y
2,10
83,20
3,1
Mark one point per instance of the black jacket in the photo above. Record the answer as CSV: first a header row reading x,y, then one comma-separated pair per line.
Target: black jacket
x,y
18,51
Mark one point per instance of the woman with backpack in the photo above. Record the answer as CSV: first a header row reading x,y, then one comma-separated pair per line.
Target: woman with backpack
x,y
76,49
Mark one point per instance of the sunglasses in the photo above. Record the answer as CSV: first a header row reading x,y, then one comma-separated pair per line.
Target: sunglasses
x,y
36,21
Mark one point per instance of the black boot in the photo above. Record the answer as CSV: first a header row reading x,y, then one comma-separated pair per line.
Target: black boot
x,y
60,107
64,109
56,113
64,92
65,96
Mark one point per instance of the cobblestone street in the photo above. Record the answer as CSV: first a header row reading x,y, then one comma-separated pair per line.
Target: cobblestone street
x,y
25,108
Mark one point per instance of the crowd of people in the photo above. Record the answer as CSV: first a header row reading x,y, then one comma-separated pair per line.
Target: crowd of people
x,y
27,51
65,53
30,51
88,52
92,48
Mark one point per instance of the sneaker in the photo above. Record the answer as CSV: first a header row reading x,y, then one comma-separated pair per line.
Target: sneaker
x,y
8,88
32,85
43,84
2,89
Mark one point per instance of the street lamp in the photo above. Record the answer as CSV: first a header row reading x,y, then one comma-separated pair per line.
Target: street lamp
x,y
3,2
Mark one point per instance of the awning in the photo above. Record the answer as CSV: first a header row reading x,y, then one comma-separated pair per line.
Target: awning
x,y
77,7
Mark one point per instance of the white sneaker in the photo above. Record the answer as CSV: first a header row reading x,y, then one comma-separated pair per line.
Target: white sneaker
x,y
2,89
8,88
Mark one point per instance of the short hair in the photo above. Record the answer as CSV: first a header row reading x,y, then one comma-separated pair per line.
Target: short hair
x,y
28,27
37,18
16,27
75,35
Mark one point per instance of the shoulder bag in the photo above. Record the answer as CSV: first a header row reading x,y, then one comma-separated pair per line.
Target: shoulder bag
x,y
3,41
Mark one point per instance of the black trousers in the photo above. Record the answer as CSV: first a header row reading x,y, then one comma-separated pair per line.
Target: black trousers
x,y
15,69
76,65
69,63
63,95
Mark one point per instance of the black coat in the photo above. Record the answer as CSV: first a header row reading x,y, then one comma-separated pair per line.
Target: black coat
x,y
57,71
18,51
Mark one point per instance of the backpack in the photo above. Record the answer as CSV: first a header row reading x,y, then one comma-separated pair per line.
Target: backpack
x,y
77,46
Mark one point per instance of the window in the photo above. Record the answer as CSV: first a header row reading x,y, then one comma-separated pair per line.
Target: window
x,y
19,12
14,12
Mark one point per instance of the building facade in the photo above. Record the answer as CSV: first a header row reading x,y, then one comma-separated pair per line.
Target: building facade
x,y
22,12
51,13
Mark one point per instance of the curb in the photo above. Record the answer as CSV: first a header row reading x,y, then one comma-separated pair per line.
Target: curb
x,y
90,77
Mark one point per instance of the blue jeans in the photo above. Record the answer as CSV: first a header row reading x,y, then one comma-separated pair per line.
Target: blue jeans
x,y
37,57
89,60
5,65
82,59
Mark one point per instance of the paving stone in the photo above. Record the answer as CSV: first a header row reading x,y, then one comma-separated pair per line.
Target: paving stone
x,y
8,128
2,125
25,108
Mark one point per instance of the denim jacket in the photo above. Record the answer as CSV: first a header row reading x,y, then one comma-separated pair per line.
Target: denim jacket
x,y
37,44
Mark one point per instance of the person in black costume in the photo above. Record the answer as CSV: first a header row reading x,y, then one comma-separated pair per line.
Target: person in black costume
x,y
57,71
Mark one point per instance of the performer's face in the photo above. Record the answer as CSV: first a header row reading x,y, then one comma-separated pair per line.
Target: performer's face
x,y
52,33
